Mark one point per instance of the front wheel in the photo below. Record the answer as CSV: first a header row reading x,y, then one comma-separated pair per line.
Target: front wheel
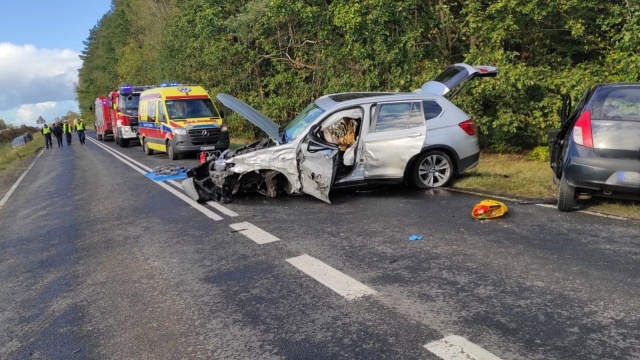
x,y
145,148
124,142
170,152
566,195
432,169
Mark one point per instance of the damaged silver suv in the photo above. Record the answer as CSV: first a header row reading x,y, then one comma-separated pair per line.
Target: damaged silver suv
x,y
350,139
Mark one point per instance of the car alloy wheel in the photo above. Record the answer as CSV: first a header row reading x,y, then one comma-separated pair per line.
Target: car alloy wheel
x,y
433,169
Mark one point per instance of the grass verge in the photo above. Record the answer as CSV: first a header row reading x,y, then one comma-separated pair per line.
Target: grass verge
x,y
13,162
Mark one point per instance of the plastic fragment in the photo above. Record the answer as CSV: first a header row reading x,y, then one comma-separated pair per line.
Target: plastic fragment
x,y
415,237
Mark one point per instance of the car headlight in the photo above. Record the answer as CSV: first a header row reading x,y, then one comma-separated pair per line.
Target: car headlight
x,y
223,128
180,131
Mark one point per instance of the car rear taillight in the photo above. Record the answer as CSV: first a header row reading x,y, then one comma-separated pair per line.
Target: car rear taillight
x,y
468,127
582,130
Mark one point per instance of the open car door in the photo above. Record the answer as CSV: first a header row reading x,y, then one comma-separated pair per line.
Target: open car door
x,y
317,164
456,76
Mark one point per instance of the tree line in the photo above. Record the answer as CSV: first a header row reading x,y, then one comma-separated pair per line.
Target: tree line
x,y
278,55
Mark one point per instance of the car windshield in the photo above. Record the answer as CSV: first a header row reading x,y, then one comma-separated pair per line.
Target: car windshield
x,y
297,126
191,108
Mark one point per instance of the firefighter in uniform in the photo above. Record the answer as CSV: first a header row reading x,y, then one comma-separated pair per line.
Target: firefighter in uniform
x,y
66,129
80,130
46,131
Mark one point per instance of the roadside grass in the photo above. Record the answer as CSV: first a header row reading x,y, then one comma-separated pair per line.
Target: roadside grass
x,y
523,177
511,175
9,155
13,162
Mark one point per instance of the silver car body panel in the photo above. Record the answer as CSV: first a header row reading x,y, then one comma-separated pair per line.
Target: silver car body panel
x,y
280,158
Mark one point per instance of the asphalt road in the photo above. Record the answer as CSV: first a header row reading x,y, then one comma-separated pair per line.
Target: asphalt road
x,y
99,262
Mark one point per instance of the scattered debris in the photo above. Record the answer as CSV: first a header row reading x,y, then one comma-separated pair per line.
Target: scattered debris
x,y
415,237
488,209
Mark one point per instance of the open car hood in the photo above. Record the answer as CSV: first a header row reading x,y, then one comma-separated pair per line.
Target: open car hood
x,y
456,75
254,116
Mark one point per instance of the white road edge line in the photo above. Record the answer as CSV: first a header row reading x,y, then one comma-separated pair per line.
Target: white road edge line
x,y
15,185
220,207
254,233
208,213
333,279
454,347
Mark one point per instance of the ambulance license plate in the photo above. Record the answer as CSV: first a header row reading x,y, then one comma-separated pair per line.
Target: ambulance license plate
x,y
207,147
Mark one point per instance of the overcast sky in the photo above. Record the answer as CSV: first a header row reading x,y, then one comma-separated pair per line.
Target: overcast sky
x,y
40,44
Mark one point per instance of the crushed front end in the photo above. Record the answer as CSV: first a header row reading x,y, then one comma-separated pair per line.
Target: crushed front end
x,y
260,167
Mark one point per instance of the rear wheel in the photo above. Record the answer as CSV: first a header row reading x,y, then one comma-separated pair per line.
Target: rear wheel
x,y
566,195
432,169
170,152
145,148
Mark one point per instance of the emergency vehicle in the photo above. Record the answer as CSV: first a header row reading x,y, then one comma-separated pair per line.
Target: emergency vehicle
x,y
104,128
180,120
123,112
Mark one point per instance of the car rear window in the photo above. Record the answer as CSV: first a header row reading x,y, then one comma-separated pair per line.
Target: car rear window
x,y
617,103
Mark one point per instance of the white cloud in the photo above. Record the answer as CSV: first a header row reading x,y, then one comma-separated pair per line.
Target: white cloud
x,y
34,79
27,114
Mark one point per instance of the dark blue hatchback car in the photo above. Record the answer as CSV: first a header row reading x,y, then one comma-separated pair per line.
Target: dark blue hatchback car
x,y
596,152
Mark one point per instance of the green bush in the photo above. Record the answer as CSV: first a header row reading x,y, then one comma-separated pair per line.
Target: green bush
x,y
539,153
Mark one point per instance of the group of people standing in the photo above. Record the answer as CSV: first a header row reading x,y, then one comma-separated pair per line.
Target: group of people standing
x,y
59,129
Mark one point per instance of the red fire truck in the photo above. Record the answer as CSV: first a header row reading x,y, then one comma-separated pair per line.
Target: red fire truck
x,y
123,111
104,128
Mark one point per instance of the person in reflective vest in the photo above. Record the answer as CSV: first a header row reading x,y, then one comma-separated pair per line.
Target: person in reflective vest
x,y
66,129
80,130
46,131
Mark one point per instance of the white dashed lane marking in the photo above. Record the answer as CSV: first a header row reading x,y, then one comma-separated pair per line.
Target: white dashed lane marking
x,y
254,233
454,347
333,279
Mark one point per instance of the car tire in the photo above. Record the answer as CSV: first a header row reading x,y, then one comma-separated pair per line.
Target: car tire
x,y
170,152
124,143
432,169
145,148
566,196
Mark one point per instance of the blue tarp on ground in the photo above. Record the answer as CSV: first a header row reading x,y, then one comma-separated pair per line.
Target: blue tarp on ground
x,y
167,172
153,176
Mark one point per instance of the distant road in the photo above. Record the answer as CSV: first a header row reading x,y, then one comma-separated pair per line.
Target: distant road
x,y
99,262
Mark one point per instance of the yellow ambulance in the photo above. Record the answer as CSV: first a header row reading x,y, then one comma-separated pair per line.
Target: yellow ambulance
x,y
180,120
